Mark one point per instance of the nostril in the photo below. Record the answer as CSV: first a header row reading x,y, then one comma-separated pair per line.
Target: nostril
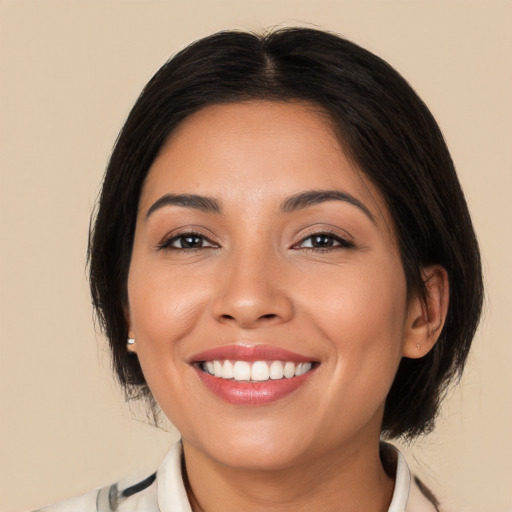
x,y
250,312
240,318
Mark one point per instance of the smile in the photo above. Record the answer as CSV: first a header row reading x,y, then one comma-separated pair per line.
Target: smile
x,y
252,375
257,371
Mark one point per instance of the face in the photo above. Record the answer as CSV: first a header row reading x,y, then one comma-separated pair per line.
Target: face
x,y
266,292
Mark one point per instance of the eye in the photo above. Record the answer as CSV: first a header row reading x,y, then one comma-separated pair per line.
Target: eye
x,y
187,241
324,241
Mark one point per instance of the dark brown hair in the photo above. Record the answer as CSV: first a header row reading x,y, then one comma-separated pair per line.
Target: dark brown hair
x,y
387,131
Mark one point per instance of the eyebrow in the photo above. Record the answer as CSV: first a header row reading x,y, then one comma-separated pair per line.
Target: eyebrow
x,y
202,203
292,204
313,197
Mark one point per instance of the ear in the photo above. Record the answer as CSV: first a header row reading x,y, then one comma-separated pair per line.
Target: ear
x,y
425,318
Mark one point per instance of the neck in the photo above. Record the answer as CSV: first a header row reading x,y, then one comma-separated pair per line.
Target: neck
x,y
346,479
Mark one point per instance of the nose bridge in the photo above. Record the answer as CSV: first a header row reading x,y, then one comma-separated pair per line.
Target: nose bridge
x,y
253,288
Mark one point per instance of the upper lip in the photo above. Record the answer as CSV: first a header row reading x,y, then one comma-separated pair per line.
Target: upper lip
x,y
249,353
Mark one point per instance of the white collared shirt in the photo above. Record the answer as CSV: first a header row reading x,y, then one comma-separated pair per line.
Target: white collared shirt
x,y
165,492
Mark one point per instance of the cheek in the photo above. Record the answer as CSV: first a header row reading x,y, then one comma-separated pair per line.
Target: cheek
x,y
164,313
365,297
363,316
163,309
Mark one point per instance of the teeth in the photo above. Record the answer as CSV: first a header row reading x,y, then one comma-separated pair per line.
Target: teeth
x,y
227,370
302,368
289,370
241,371
217,368
260,371
257,371
276,370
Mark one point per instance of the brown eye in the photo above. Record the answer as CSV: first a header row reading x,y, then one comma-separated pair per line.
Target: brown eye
x,y
187,241
324,241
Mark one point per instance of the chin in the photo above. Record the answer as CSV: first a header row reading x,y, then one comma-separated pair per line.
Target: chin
x,y
254,448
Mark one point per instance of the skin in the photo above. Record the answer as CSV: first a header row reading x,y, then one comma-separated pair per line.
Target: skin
x,y
254,278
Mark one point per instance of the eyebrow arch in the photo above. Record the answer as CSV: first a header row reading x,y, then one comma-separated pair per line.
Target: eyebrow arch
x,y
313,197
203,203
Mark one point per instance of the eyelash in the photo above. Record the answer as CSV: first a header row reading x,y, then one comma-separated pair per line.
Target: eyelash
x,y
167,243
341,243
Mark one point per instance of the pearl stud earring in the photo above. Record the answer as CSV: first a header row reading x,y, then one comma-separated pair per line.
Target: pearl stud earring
x,y
130,344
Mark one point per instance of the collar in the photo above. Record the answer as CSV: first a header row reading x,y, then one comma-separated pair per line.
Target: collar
x,y
172,496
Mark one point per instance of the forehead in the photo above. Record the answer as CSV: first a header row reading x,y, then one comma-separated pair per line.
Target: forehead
x,y
256,152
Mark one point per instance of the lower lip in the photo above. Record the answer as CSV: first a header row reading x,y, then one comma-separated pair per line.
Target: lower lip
x,y
252,393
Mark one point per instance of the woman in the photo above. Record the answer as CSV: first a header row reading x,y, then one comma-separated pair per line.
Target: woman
x,y
283,261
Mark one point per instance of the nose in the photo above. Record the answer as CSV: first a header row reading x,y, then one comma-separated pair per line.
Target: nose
x,y
252,292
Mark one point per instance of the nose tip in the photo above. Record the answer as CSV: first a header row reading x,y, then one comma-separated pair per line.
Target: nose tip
x,y
251,302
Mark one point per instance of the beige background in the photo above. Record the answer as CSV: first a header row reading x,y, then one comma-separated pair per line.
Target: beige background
x,y
69,72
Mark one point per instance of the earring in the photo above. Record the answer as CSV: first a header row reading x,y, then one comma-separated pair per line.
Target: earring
x,y
130,344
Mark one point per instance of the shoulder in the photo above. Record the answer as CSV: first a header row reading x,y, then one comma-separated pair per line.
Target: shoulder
x,y
84,503
119,497
410,494
165,491
161,491
421,499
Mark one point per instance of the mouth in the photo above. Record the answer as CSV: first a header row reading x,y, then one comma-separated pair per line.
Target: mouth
x,y
252,375
256,371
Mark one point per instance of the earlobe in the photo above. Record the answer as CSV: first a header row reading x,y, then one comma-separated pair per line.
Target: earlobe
x,y
131,343
425,318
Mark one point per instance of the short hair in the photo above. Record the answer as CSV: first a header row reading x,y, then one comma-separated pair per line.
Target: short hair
x,y
383,126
